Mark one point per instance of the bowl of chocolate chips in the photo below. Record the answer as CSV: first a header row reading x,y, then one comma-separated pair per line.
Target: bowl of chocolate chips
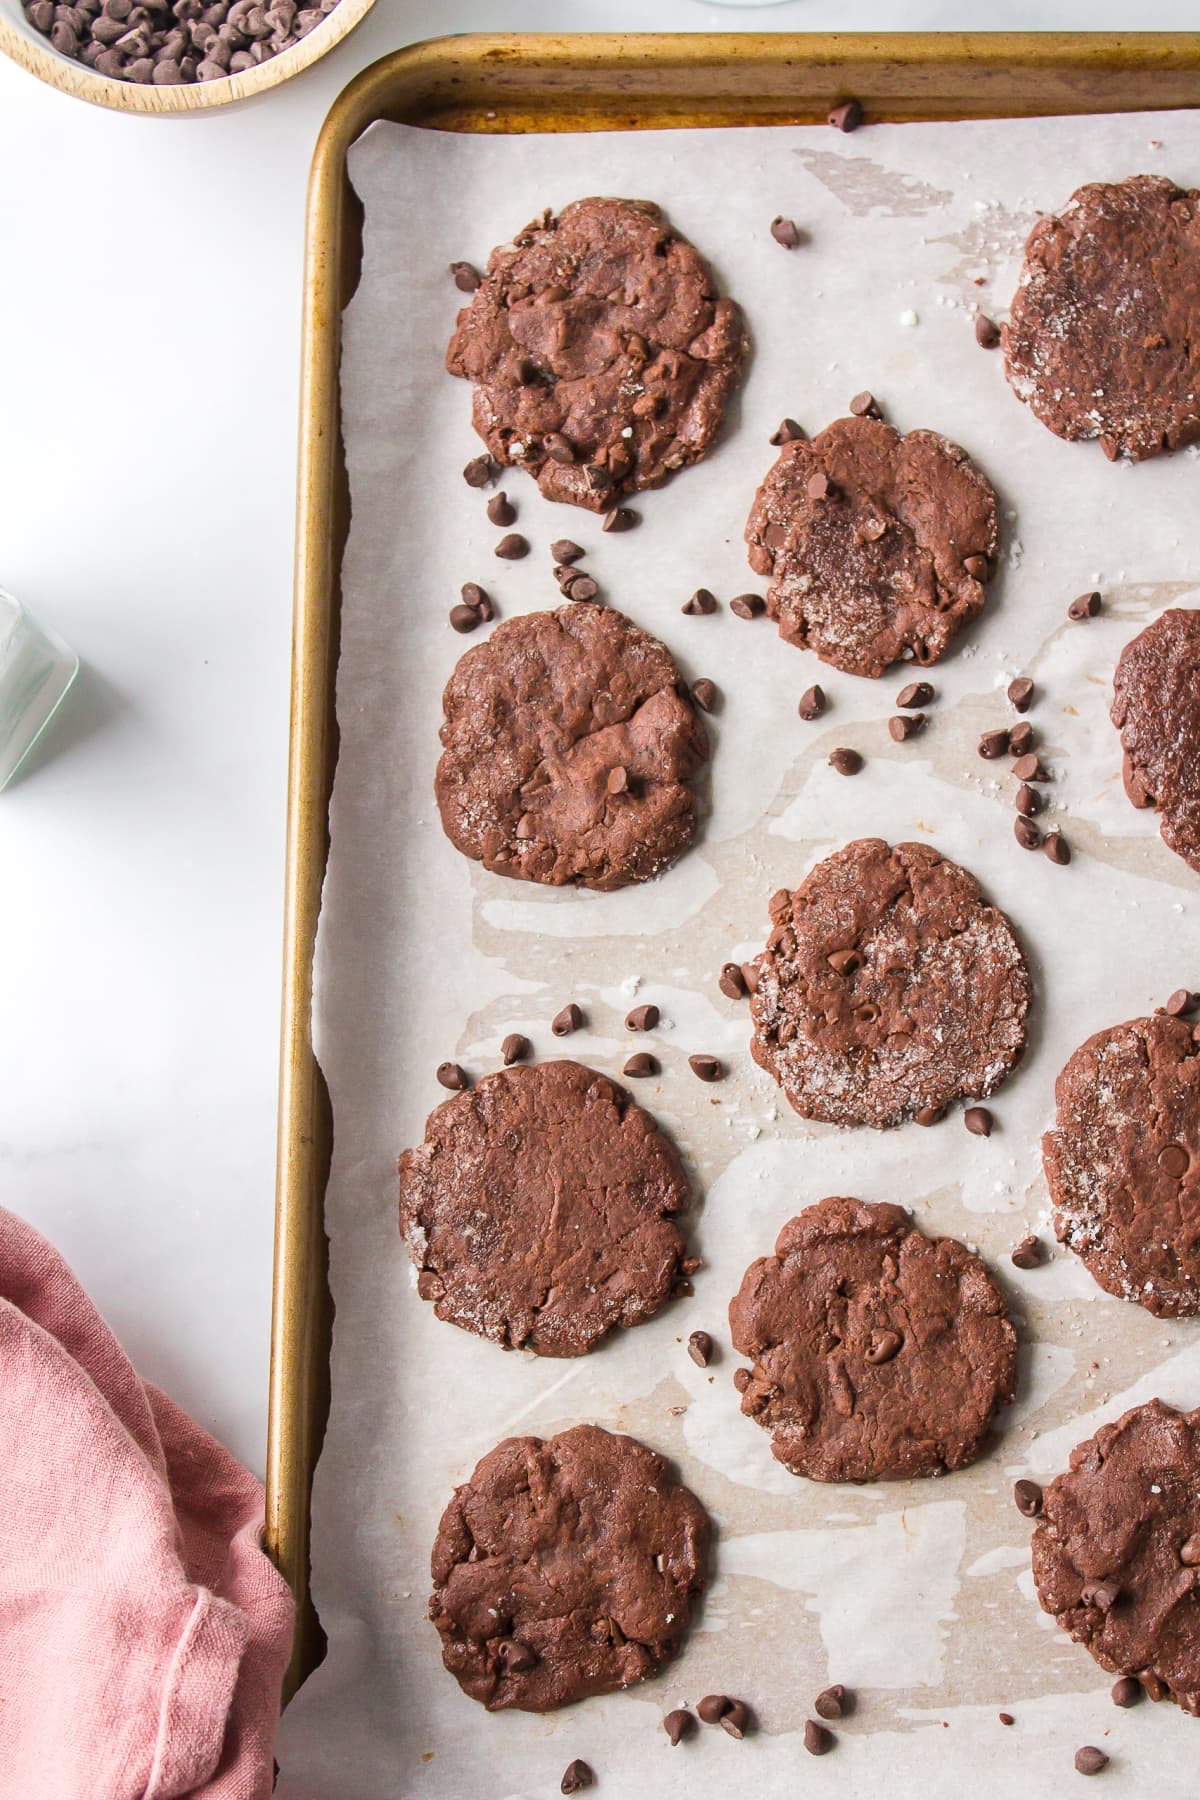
x,y
165,56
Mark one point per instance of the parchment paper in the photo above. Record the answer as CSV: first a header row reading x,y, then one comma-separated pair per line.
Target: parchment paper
x,y
918,1595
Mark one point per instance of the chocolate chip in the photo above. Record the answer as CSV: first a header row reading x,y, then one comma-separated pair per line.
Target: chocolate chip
x,y
819,486
847,116
916,694
451,1076
987,332
567,1021
1028,1497
787,432
479,471
785,232
1057,848
466,277
1174,1161
1103,1595
500,509
1020,738
618,781
515,1048
906,725
621,518
558,448
736,1719
1027,1254
640,1065
1020,693
818,1739
1126,1691
513,547
732,982
700,1349
977,567
978,1121
865,406
1027,801
1026,832
1029,768
812,703
830,1703
713,1708
705,1068
1189,1553
846,762
704,693
642,1018
580,587
679,1724
702,601
993,744
577,1776
1006,1718
515,1656
747,606
1085,607
1089,1760
465,618
566,551
929,1115
844,962
883,1346
741,1380
1181,1002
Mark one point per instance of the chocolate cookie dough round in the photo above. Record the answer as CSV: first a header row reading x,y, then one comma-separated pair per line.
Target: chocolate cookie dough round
x,y
601,355
878,1353
1117,1548
568,744
564,1567
540,1210
878,545
1123,1162
1156,708
889,988
1103,340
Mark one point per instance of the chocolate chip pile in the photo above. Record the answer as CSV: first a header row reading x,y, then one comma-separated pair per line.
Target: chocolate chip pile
x,y
163,43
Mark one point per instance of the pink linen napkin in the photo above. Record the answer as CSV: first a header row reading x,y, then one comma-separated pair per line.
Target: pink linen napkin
x,y
143,1631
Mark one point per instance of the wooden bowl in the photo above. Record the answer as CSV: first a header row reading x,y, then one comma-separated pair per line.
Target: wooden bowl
x,y
28,47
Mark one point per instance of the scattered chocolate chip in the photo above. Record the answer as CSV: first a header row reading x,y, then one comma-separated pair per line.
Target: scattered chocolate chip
x,y
580,587
741,1380
465,618
906,725
736,1720
1085,607
818,1739
500,509
515,1048
865,406
1181,1002
705,1068
567,1021
704,693
1006,1718
618,781
787,432
1029,768
987,332
1020,693
847,116
642,1018
1089,1760
812,703
846,762
785,232
679,1724
1020,738
713,1708
1126,1691
512,547
1057,848
577,1776
1028,1497
750,977
1026,832
466,277
640,1065
479,471
819,486
702,601
474,596
978,1121
993,744
747,606
732,982
566,551
1027,801
1027,1254
450,1075
558,448
929,1115
700,1349
621,518
916,694
830,1703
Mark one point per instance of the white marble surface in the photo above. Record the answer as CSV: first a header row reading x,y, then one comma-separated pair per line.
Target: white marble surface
x,y
149,318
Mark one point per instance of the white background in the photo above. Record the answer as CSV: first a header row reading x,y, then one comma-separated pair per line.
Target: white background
x,y
149,341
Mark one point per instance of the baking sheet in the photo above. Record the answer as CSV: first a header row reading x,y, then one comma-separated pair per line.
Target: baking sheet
x,y
917,1595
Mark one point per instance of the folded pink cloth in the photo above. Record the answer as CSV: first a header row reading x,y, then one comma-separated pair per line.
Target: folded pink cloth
x,y
143,1631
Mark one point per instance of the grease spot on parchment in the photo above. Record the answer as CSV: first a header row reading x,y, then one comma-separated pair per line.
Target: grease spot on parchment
x,y
864,186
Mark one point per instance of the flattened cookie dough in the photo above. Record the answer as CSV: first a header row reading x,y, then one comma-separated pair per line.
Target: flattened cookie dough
x,y
540,1210
565,1567
889,988
1116,1550
1103,340
1123,1162
601,356
1156,708
879,545
878,1353
568,743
